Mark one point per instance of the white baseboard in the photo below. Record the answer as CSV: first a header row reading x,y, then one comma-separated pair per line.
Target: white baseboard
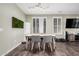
x,y
10,49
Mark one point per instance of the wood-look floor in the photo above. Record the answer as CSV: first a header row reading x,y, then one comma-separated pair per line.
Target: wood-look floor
x,y
62,49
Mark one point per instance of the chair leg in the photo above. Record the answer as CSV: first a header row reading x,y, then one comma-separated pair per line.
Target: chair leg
x,y
47,48
35,47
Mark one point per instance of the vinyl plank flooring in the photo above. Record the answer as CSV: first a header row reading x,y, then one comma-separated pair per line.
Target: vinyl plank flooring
x,y
62,49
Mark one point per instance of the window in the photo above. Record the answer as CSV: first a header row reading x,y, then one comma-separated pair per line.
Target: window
x,y
57,27
33,25
39,25
44,25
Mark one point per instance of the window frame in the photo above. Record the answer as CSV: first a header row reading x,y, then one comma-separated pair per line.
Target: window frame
x,y
39,22
57,25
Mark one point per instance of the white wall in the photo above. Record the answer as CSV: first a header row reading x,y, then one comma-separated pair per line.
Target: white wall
x,y
10,37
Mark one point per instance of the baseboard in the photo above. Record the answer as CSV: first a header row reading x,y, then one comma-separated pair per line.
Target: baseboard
x,y
10,50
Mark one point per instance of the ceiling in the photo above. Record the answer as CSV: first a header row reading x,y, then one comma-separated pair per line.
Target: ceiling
x,y
49,8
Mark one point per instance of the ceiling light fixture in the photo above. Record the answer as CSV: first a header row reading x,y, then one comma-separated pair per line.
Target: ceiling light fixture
x,y
39,5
